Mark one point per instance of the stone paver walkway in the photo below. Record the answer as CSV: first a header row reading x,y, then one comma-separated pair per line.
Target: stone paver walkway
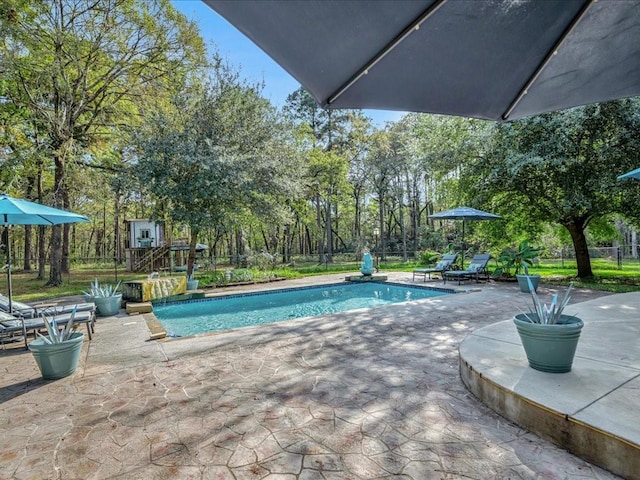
x,y
370,394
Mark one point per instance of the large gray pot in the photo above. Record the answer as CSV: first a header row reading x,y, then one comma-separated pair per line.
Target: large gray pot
x,y
106,306
550,348
524,285
57,360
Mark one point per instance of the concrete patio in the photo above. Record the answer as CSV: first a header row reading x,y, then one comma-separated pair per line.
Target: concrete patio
x,y
359,395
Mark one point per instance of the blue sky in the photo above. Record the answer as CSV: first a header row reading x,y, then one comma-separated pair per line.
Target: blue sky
x,y
252,62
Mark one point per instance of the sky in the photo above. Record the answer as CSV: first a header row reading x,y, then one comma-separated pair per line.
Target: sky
x,y
251,61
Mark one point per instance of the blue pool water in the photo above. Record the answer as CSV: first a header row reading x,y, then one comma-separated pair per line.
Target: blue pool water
x,y
234,311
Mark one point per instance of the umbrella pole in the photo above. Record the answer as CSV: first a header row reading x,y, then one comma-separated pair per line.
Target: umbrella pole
x,y
463,249
9,288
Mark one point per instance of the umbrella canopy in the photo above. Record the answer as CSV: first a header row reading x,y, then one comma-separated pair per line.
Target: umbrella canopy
x,y
464,213
632,174
495,59
14,211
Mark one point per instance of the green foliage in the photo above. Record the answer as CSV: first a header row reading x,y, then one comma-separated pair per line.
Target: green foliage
x,y
239,275
80,70
55,334
428,257
562,167
516,258
219,157
101,291
547,314
602,231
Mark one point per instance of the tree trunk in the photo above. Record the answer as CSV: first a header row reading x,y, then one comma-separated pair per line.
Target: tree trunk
x,y
381,224
192,250
98,244
27,248
117,244
576,229
320,229
41,241
55,272
357,215
42,251
28,236
403,230
66,231
328,228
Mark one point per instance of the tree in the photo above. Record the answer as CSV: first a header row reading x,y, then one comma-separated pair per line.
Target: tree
x,y
562,167
219,155
81,68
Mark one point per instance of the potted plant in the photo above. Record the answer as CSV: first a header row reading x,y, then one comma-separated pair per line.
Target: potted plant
x,y
549,337
106,298
192,283
58,353
524,256
518,259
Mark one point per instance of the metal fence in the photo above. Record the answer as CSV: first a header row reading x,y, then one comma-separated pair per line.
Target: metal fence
x,y
621,255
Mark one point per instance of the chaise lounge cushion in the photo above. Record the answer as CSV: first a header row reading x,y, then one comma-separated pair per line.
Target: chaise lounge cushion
x,y
443,265
34,311
476,269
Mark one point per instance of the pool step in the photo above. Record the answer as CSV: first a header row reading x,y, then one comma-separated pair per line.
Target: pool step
x,y
139,307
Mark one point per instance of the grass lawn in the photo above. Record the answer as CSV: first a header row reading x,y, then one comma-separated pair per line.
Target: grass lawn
x,y
27,287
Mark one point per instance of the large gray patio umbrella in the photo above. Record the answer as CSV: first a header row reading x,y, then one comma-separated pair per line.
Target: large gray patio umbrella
x,y
464,213
14,211
491,59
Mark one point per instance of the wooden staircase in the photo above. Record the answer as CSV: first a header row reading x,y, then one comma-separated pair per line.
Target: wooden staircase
x,y
153,259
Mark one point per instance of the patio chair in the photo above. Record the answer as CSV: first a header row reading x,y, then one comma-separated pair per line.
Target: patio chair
x,y
10,325
36,310
476,269
443,265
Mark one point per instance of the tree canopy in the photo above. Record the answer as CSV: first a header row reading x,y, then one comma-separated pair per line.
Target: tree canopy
x,y
217,155
562,167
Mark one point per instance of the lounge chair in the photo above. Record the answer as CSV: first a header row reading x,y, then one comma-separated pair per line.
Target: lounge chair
x,y
36,310
11,325
476,269
443,265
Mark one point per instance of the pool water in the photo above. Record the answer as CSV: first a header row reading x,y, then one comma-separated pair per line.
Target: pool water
x,y
234,311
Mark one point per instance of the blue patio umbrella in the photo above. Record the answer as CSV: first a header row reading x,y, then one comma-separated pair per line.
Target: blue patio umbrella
x,y
464,213
15,211
632,174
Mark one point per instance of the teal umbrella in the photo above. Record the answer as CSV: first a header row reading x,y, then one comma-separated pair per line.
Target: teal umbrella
x,y
14,211
632,174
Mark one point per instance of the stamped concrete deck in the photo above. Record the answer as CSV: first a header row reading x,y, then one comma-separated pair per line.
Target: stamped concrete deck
x,y
358,395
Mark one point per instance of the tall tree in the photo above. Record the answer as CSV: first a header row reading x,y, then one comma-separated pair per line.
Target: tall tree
x,y
562,167
81,67
219,155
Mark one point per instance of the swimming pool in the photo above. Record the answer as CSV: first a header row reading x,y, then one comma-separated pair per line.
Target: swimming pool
x,y
234,311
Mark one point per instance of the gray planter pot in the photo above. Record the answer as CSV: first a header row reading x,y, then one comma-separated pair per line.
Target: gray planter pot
x,y
192,284
524,285
550,348
57,360
106,306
